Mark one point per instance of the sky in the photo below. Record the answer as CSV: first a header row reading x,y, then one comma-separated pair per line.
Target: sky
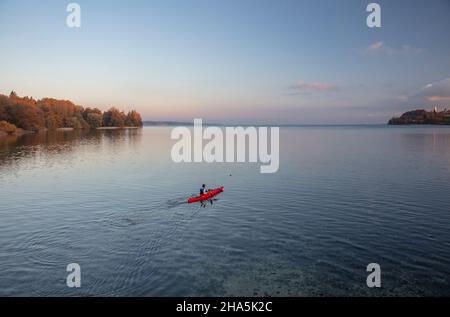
x,y
232,61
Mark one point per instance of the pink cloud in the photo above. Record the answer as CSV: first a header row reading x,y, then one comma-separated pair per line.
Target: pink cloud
x,y
438,98
375,47
435,93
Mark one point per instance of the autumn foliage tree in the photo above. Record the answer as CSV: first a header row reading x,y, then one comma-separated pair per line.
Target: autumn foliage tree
x,y
7,127
26,116
4,103
133,119
114,118
30,114
93,117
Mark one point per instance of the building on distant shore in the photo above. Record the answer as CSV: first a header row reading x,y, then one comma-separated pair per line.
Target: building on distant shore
x,y
422,116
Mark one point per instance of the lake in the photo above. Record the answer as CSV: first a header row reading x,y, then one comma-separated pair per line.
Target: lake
x,y
114,202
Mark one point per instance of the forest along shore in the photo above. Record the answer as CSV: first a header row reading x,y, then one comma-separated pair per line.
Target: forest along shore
x,y
21,115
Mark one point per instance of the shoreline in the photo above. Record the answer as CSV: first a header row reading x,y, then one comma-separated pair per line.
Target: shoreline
x,y
100,128
117,128
20,132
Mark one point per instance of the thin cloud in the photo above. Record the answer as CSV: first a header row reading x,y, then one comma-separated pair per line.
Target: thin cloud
x,y
432,94
308,87
438,91
438,98
380,48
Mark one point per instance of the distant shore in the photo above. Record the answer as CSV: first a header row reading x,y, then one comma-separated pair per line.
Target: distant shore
x,y
422,117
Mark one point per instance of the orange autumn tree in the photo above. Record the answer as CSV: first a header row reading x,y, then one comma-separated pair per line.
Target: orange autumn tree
x,y
133,119
114,118
7,127
30,114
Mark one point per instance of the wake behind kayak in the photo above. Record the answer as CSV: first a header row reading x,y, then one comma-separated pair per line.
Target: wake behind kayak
x,y
210,194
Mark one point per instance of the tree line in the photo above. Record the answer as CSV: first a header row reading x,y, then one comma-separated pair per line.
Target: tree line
x,y
48,113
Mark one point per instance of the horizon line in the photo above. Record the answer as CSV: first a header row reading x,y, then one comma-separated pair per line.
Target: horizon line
x,y
187,123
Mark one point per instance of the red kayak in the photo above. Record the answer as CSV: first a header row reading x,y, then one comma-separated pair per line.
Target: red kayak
x,y
210,194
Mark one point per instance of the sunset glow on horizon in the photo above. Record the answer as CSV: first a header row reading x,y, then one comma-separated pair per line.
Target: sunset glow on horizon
x,y
231,61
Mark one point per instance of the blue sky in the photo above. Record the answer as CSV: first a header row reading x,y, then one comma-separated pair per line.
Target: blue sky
x,y
236,61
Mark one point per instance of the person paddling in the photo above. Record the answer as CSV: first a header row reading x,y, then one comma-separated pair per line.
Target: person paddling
x,y
204,191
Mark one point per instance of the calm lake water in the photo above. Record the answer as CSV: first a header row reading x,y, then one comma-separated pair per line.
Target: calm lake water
x,y
113,202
